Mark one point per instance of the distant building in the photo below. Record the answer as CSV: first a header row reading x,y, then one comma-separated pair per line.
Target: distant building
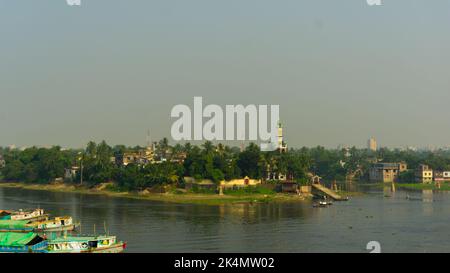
x,y
441,176
179,157
424,174
372,145
2,162
192,183
240,183
70,174
289,185
272,174
315,179
386,172
141,157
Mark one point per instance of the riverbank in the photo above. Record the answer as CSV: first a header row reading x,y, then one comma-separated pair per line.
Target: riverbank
x,y
186,198
420,186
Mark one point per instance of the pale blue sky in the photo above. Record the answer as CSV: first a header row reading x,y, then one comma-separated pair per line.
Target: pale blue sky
x,y
341,71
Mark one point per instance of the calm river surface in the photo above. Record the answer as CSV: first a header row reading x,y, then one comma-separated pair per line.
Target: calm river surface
x,y
399,224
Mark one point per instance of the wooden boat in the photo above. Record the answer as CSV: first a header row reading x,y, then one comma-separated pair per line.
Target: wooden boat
x,y
56,224
86,244
11,242
33,214
64,223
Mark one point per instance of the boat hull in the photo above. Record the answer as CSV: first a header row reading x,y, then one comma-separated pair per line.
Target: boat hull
x,y
56,229
40,230
21,230
36,218
115,248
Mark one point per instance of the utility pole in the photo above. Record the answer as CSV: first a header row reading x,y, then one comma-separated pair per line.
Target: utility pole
x,y
81,167
81,172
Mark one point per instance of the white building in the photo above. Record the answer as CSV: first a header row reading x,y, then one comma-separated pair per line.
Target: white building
x,y
424,174
372,144
2,162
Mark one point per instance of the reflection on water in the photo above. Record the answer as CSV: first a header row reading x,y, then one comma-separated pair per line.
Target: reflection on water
x,y
399,223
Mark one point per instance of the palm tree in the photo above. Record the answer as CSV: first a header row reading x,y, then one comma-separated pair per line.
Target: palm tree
x,y
208,147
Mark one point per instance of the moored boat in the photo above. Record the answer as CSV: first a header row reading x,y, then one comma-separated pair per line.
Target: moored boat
x,y
321,204
86,244
64,223
11,242
56,224
32,214
14,242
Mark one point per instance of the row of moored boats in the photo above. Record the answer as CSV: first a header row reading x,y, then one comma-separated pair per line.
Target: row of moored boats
x,y
25,231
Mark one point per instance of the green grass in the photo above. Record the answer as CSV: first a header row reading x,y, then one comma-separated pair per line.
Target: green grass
x,y
172,197
113,188
421,186
200,190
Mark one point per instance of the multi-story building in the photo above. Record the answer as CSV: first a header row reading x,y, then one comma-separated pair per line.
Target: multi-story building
x,y
441,176
446,175
372,144
386,172
141,157
424,174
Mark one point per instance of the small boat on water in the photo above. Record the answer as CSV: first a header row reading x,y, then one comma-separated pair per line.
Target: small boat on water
x,y
11,242
86,244
30,214
57,224
64,223
321,204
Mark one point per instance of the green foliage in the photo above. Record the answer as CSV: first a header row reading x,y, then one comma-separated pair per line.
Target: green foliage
x,y
251,162
97,164
215,163
202,190
134,177
102,163
406,177
35,164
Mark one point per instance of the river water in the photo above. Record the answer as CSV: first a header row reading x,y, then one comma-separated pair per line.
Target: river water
x,y
418,224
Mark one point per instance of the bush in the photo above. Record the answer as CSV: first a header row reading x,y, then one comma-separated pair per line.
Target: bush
x,y
202,190
113,188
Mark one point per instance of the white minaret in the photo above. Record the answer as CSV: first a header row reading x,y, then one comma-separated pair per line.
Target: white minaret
x,y
281,145
372,144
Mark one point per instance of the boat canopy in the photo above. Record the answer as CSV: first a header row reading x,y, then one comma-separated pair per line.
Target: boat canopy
x,y
8,239
13,224
5,212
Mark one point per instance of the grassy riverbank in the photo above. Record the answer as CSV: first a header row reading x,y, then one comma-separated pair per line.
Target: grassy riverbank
x,y
187,198
420,186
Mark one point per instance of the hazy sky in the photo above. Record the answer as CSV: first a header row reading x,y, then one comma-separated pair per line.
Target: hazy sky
x,y
341,71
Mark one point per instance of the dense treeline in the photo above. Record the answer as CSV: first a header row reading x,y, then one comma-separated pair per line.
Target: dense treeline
x,y
35,164
102,163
